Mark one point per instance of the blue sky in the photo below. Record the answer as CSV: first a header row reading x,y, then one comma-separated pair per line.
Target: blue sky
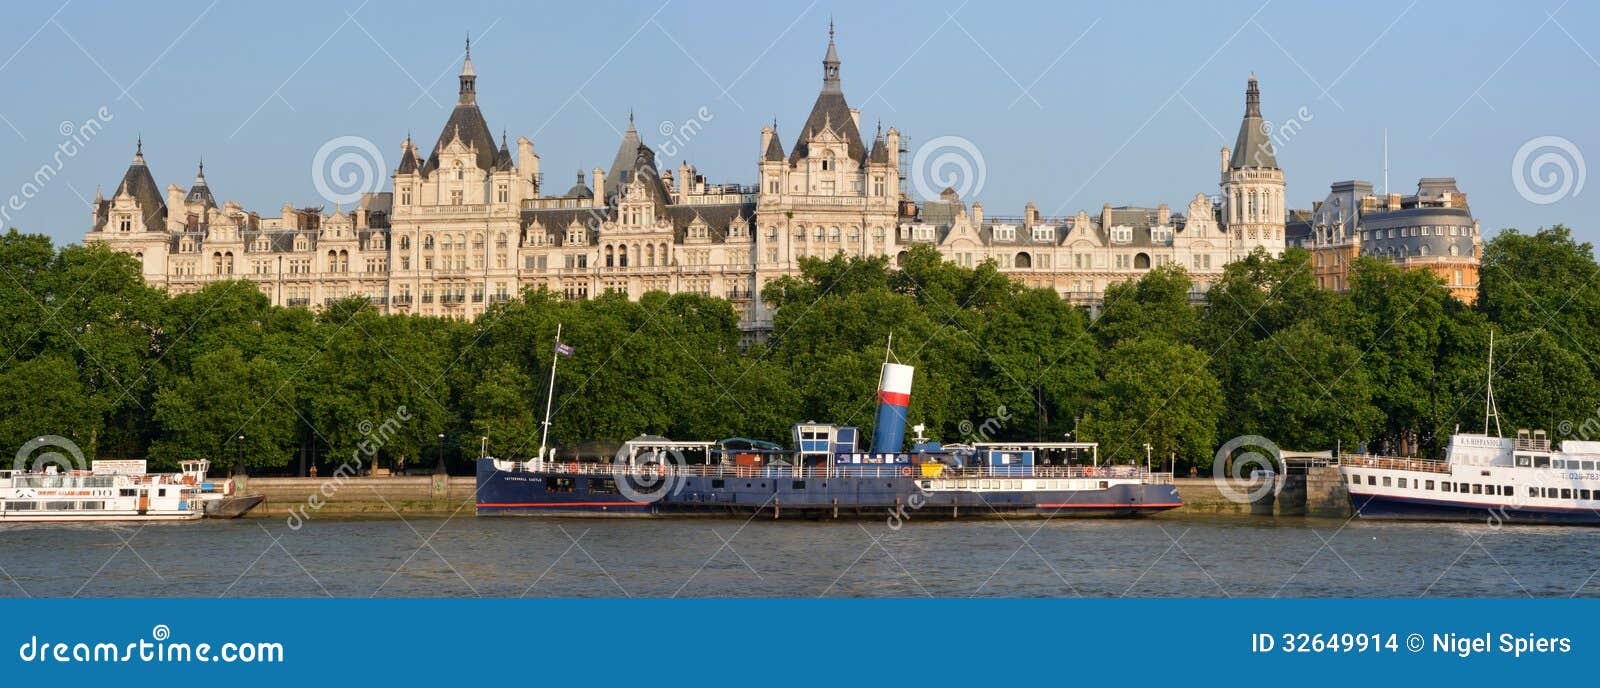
x,y
1069,105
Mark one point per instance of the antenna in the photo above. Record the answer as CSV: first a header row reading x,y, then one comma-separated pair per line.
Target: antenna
x,y
1490,411
1386,165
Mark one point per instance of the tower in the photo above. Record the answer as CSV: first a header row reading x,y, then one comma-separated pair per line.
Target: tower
x,y
1252,183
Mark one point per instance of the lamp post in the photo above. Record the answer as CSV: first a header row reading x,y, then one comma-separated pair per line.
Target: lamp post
x,y
1147,457
238,468
438,469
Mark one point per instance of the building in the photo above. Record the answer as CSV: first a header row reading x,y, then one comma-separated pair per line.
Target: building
x,y
470,222
1432,229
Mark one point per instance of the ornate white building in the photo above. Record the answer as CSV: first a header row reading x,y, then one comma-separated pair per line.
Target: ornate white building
x,y
472,223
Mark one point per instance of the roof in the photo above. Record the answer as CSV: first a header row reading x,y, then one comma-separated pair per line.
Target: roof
x,y
201,192
634,159
1253,147
774,152
580,189
139,183
474,132
830,111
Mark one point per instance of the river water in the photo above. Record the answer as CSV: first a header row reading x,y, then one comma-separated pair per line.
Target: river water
x,y
1170,555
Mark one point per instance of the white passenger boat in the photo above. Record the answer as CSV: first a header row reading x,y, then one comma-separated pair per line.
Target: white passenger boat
x,y
86,496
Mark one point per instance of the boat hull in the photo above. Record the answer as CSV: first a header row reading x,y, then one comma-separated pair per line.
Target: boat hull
x,y
556,493
1389,507
231,507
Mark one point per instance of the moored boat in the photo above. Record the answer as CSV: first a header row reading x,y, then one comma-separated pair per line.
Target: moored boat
x,y
829,473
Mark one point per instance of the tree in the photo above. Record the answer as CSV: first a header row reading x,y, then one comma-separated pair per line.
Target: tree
x,y
1155,306
1155,392
1307,391
226,397
1545,280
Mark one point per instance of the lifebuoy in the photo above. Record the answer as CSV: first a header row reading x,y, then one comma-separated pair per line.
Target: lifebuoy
x,y
661,469
905,471
572,467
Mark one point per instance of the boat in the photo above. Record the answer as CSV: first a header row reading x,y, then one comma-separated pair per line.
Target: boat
x,y
1483,477
89,496
827,472
218,498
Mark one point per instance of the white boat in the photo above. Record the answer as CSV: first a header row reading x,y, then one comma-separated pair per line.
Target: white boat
x,y
84,496
1483,477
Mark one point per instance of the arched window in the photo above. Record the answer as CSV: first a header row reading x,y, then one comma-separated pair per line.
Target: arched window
x,y
1141,261
622,256
460,174
427,242
650,255
610,257
405,243
1024,260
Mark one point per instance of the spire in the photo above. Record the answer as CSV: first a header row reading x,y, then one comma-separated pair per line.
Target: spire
x,y
1252,98
138,151
1253,147
830,63
200,176
469,78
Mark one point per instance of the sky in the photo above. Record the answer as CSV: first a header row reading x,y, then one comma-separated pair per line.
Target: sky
x,y
1067,105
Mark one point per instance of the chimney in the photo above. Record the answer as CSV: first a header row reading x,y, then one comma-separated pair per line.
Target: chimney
x,y
599,188
1394,201
174,199
894,400
1030,214
527,162
1105,218
1163,215
766,140
855,117
683,181
977,214
1224,159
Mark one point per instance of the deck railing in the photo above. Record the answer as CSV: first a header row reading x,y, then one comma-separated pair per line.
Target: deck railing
x,y
853,470
1396,463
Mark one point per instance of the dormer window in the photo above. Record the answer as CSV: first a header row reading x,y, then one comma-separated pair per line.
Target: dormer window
x,y
1005,233
1044,233
460,174
405,195
1121,235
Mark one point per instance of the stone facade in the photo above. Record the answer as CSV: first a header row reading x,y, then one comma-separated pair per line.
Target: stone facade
x,y
1432,229
472,223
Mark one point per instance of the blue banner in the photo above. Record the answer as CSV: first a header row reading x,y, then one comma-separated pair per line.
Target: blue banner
x,y
1187,642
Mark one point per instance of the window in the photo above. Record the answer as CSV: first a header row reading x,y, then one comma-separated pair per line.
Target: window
x,y
1386,482
455,196
1428,485
1372,480
1402,482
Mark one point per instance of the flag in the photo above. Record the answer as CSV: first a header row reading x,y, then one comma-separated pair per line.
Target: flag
x,y
563,349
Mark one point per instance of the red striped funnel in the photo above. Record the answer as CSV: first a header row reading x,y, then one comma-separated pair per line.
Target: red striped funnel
x,y
894,400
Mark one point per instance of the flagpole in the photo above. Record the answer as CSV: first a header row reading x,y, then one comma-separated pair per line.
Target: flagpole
x,y
549,397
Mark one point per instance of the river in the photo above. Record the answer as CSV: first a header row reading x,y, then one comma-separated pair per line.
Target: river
x,y
1170,555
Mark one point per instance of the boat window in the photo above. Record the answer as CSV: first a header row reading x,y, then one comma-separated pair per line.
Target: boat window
x,y
718,483
1386,481
58,506
94,505
799,484
1430,484
22,506
1507,491
1533,492
559,484
1372,480
1524,461
603,485
1583,494
1588,465
1541,462
161,492
1477,489
127,492
1402,482
1566,493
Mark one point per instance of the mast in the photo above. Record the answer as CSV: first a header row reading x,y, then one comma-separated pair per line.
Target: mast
x,y
1490,411
549,396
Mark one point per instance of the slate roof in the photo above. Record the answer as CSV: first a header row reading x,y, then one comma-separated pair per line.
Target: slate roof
x,y
139,183
830,110
201,192
1253,147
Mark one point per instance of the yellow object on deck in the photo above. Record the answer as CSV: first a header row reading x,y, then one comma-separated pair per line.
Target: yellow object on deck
x,y
932,470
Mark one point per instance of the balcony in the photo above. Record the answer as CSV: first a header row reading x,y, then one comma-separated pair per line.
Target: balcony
x,y
297,302
402,300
